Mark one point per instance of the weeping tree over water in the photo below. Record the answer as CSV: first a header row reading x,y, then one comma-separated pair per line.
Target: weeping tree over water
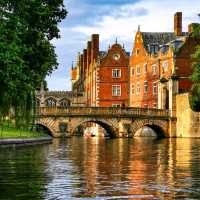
x,y
26,54
195,97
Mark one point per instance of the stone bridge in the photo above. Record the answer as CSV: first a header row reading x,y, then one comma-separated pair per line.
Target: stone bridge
x,y
118,122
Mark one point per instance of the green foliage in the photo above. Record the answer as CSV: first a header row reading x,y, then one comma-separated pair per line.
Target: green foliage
x,y
195,97
26,54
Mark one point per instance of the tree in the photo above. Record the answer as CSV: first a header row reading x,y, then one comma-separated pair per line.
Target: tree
x,y
26,54
195,77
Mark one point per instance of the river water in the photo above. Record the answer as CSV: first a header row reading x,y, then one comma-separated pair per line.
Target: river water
x,y
95,168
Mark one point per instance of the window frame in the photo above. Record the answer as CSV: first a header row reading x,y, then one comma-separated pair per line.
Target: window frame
x,y
154,85
115,94
138,88
146,85
115,72
154,69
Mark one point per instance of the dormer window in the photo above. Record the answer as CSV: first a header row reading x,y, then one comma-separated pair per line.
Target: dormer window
x,y
137,52
165,66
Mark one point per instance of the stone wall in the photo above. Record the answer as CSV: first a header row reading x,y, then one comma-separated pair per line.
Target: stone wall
x,y
188,121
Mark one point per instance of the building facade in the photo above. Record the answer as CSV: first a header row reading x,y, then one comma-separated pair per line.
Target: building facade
x,y
160,66
102,76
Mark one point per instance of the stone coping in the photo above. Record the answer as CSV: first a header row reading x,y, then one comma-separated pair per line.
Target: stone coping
x,y
24,141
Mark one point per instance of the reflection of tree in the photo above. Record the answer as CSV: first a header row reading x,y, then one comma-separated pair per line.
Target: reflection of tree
x,y
22,176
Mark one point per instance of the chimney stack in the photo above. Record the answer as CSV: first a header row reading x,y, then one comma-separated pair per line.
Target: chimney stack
x,y
89,45
178,23
95,47
81,63
84,61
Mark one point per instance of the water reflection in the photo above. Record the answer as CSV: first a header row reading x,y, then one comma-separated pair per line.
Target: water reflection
x,y
95,168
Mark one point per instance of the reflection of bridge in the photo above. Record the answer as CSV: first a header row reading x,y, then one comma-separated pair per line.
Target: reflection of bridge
x,y
118,122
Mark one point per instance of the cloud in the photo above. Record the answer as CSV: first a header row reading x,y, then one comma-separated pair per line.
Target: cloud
x,y
113,20
110,2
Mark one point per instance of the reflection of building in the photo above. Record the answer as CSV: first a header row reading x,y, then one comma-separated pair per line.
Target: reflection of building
x,y
160,65
102,76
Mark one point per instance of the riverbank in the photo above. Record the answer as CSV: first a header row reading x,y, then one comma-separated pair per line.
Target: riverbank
x,y
25,141
10,135
7,130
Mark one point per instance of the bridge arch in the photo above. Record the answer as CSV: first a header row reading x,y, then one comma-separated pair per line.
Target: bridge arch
x,y
110,127
44,128
160,127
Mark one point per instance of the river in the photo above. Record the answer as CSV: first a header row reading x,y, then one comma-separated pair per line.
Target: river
x,y
97,168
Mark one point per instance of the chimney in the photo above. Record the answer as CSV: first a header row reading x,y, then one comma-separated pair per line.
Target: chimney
x,y
81,64
84,61
95,47
89,45
178,23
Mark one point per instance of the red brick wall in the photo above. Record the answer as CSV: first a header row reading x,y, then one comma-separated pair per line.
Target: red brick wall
x,y
139,59
106,81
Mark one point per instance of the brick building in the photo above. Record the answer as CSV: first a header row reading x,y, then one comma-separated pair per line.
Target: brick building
x,y
160,66
102,76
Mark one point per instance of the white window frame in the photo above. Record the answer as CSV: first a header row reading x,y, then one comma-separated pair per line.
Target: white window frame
x,y
153,88
138,88
132,88
138,70
117,91
154,69
146,86
116,73
165,65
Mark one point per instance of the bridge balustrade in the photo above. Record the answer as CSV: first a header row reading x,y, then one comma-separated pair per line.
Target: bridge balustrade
x,y
107,111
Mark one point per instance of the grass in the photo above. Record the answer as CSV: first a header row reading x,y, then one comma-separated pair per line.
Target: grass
x,y
9,131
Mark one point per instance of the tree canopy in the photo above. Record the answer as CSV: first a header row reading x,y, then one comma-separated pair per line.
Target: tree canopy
x,y
26,54
195,97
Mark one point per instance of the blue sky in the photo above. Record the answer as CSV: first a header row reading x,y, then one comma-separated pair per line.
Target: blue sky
x,y
112,19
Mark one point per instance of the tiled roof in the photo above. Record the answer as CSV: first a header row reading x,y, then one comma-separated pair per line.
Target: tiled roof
x,y
158,38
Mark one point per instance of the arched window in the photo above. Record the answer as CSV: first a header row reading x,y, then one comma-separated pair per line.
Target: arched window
x,y
64,103
50,102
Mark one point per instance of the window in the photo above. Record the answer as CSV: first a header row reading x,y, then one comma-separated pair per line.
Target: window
x,y
137,52
116,105
138,70
132,71
132,89
116,73
154,105
145,106
145,68
165,66
138,89
50,102
145,86
116,90
154,88
154,69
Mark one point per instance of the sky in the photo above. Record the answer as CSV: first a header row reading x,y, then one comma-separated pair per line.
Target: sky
x,y
112,19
